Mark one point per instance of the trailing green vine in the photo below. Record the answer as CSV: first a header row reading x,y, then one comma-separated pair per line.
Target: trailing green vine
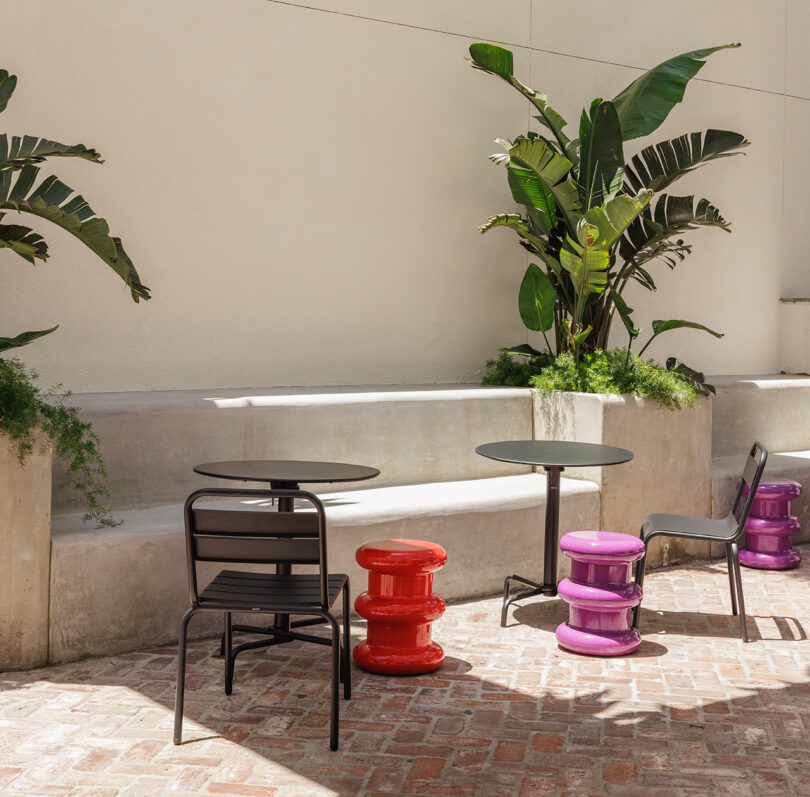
x,y
25,408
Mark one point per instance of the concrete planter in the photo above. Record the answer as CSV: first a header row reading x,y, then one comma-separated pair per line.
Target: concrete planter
x,y
25,551
671,469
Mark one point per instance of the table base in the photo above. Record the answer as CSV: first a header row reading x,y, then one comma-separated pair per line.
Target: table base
x,y
538,589
552,530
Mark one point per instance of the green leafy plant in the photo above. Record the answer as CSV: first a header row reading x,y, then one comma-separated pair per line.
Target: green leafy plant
x,y
22,189
589,215
506,370
617,371
24,409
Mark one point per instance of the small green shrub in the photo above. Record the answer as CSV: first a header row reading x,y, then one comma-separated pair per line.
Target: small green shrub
x,y
617,371
24,408
506,370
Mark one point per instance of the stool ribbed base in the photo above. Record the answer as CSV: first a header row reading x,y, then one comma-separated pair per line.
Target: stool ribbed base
x,y
784,560
396,661
598,643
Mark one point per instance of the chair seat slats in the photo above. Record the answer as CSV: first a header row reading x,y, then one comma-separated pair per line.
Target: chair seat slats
x,y
682,525
269,589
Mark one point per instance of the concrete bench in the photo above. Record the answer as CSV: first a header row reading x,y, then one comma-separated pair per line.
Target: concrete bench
x,y
774,409
124,588
414,435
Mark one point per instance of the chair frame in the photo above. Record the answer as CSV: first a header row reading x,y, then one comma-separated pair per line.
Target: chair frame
x,y
280,632
735,521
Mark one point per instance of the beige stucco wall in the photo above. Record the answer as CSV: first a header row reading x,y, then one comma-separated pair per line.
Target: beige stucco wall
x,y
300,183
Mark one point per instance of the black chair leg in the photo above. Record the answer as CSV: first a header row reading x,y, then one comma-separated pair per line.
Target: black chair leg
x,y
731,578
641,566
346,657
227,645
181,676
335,685
735,555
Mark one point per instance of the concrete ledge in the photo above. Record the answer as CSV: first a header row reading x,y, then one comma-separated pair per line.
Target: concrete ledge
x,y
124,588
787,464
771,408
151,441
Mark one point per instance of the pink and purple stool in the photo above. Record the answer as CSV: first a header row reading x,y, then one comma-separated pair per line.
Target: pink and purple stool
x,y
768,530
600,592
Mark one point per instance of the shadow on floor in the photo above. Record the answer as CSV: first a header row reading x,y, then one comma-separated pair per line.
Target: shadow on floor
x,y
509,715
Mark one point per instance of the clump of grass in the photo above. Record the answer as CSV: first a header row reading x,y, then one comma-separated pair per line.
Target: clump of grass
x,y
515,371
617,371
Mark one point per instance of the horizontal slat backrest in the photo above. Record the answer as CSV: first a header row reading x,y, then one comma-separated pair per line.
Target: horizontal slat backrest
x,y
752,473
255,549
250,532
251,521
249,535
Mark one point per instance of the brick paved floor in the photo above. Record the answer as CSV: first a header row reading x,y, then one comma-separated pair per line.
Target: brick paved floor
x,y
694,711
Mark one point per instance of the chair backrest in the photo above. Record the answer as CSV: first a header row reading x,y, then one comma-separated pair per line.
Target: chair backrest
x,y
752,473
251,535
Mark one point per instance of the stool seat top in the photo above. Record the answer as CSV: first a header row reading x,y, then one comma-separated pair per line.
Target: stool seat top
x,y
605,543
776,488
401,556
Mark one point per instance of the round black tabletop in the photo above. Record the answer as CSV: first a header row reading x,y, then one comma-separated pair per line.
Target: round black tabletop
x,y
286,470
554,453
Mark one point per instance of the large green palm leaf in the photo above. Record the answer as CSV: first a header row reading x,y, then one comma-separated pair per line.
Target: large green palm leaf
x,y
617,215
500,62
586,260
660,165
51,199
552,170
650,235
7,86
535,244
23,240
25,150
647,101
601,160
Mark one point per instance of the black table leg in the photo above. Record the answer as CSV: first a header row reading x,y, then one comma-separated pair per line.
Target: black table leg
x,y
552,530
282,621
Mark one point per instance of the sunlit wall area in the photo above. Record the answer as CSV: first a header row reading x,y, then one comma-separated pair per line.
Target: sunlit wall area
x,y
300,183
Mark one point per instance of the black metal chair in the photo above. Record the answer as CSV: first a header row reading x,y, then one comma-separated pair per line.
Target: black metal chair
x,y
217,532
728,531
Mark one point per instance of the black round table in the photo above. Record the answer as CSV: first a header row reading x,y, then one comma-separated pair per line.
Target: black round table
x,y
283,474
553,456
286,474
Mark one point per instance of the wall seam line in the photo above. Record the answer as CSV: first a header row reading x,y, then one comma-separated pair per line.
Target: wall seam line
x,y
410,26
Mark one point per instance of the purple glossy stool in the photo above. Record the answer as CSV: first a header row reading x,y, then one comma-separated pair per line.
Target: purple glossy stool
x,y
768,530
600,592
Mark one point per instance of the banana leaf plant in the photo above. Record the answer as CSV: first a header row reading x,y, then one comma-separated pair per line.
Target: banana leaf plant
x,y
24,190
594,219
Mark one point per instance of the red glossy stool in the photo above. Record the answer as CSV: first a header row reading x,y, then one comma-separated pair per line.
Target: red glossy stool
x,y
399,606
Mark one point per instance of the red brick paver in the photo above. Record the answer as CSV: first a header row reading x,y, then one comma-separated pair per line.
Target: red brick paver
x,y
693,712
